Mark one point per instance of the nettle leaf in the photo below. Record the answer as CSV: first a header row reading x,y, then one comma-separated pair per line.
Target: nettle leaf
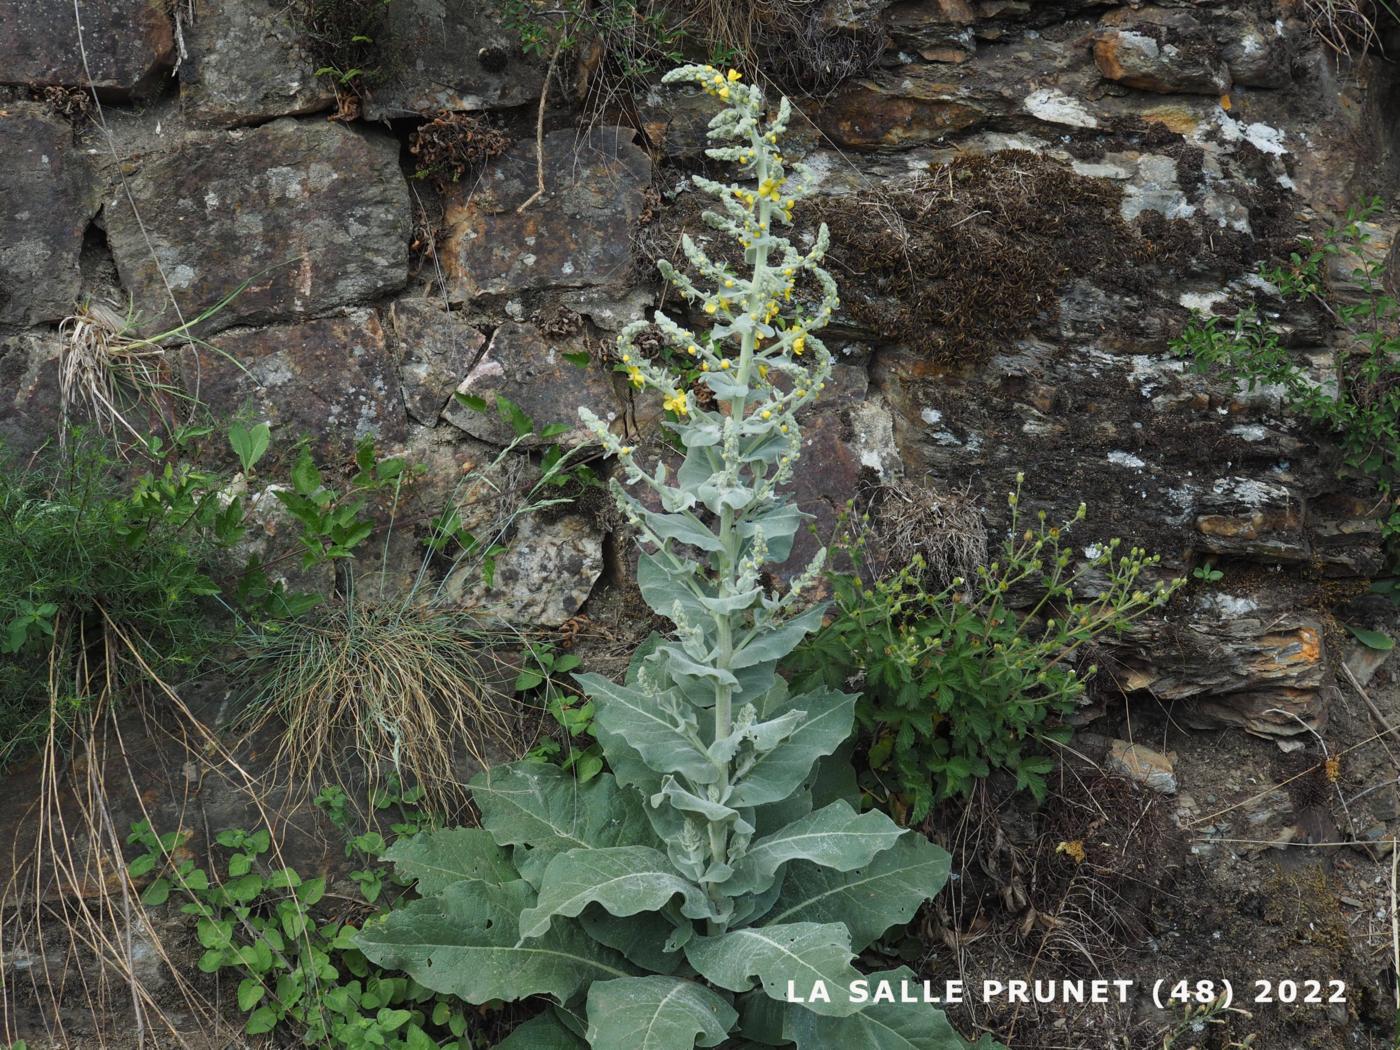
x,y
656,1013
545,1032
545,809
437,859
878,1025
776,774
835,836
623,880
870,899
802,952
464,942
664,741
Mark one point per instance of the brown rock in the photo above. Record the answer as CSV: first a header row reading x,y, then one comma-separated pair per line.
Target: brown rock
x,y
449,54
1252,516
873,113
48,194
578,234
1149,768
311,215
29,392
244,65
129,45
331,379
1159,49
435,349
530,369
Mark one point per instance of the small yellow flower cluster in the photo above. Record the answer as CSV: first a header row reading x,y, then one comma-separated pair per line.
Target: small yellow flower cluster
x,y
634,376
677,403
719,84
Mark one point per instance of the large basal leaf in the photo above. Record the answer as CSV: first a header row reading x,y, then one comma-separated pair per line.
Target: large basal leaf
x,y
835,836
656,1013
623,880
878,1026
776,774
464,942
869,900
540,806
437,859
640,938
665,742
802,952
541,1033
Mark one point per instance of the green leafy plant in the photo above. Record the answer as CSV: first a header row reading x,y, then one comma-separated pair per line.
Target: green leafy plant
x,y
86,555
299,973
1362,408
538,682
1208,573
961,682
671,901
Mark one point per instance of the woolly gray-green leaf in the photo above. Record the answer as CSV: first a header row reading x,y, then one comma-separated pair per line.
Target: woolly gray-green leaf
x,y
623,880
437,859
664,741
540,806
801,952
463,941
544,1032
640,938
869,900
878,1026
775,643
835,836
778,773
656,1013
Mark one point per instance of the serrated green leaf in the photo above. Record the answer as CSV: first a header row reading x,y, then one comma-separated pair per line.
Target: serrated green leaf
x,y
878,1026
464,942
623,880
801,952
656,1013
835,836
869,900
437,859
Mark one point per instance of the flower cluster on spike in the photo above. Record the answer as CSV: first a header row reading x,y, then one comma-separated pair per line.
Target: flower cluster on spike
x,y
758,352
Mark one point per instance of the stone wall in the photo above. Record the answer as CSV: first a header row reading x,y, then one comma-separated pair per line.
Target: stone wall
x,y
1026,198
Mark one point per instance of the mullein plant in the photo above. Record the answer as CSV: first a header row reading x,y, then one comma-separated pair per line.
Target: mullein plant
x,y
721,871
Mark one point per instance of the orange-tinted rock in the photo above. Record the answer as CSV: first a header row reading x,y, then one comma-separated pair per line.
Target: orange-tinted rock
x,y
1161,50
870,115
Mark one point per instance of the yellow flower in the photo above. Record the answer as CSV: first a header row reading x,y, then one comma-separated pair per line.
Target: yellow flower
x,y
710,308
723,92
692,350
799,344
724,365
635,377
762,370
766,414
734,75
676,403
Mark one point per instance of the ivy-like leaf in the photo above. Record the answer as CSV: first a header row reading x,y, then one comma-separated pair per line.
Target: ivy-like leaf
x,y
463,942
623,880
656,1013
835,836
437,859
801,952
869,900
